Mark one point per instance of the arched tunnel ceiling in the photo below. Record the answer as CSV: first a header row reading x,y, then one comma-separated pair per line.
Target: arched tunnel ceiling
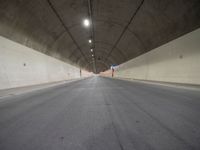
x,y
121,29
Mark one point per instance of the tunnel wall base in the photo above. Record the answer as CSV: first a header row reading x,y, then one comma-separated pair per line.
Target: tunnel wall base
x,y
22,66
177,61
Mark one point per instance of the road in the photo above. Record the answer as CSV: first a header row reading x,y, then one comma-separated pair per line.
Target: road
x,y
101,114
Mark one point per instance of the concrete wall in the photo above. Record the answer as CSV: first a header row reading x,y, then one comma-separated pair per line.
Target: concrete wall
x,y
21,66
177,61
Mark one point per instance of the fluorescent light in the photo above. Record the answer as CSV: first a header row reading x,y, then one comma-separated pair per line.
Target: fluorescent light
x,y
90,41
86,22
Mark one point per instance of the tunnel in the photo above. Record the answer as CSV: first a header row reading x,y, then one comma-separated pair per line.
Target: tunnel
x,y
99,75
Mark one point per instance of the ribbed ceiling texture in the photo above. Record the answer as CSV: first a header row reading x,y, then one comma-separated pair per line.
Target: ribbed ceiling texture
x,y
120,29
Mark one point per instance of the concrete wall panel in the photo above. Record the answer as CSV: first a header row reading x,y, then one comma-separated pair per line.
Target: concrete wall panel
x,y
21,66
177,61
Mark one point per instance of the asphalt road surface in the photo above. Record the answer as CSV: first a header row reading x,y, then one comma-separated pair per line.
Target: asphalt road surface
x,y
101,114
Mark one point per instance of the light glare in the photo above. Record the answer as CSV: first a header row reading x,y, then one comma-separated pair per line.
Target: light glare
x,y
90,41
86,23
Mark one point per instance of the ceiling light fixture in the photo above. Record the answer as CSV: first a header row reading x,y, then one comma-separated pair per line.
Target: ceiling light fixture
x,y
90,41
86,22
91,50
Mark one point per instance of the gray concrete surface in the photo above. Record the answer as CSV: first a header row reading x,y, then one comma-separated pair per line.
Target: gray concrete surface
x,y
102,114
25,89
168,84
